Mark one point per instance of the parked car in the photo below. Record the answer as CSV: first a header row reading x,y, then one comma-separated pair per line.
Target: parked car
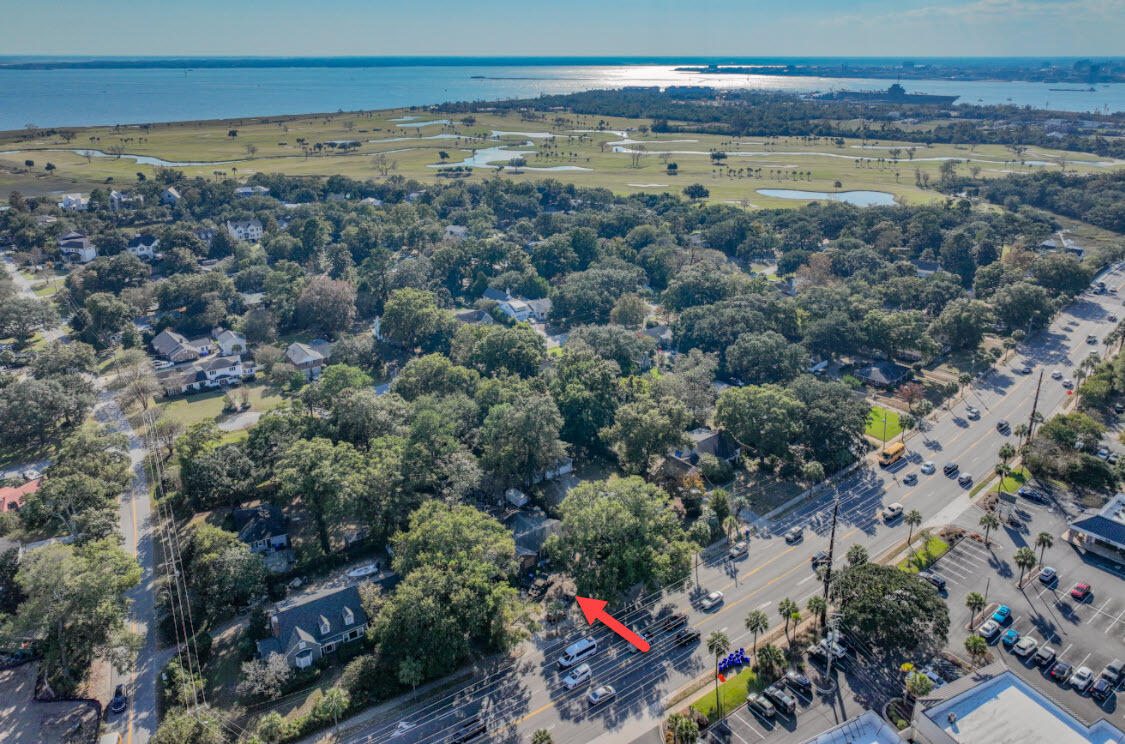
x,y
1082,678
1048,575
988,630
366,569
910,479
675,621
1026,647
601,695
161,364
739,550
799,683
711,601
1023,369
579,675
794,535
1060,672
1101,689
686,636
1081,591
120,700
1032,495
1112,672
781,700
1010,638
1045,656
933,578
928,467
1003,614
1119,408
758,704
1103,453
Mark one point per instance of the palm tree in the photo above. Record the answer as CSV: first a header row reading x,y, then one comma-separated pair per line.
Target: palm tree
x,y
965,380
684,729
770,657
1025,559
918,685
1007,452
1043,541
975,602
857,555
718,644
1020,430
990,522
913,518
789,612
977,648
543,736
757,622
730,526
817,607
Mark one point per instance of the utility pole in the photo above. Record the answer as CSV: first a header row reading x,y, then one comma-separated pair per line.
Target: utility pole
x,y
831,546
1034,408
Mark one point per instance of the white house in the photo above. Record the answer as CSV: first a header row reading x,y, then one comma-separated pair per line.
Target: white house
x,y
208,373
170,196
243,192
74,203
143,246
519,309
229,342
77,247
248,230
118,201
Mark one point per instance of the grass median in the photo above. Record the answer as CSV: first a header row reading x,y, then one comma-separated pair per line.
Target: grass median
x,y
732,693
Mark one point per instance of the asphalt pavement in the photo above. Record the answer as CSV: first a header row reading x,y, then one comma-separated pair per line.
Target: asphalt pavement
x,y
519,697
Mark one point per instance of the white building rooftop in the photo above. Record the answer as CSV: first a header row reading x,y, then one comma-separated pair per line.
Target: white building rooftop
x,y
1000,708
867,728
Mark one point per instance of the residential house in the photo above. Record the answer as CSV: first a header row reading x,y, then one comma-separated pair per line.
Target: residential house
x,y
74,203
205,235
530,528
702,441
516,309
469,317
540,309
662,334
456,232
75,246
372,201
176,348
229,342
885,375
143,245
305,358
496,295
247,230
170,196
335,196
119,201
244,192
11,497
264,528
207,373
308,630
252,299
414,196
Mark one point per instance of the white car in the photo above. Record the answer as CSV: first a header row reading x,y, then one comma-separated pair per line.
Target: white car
x,y
580,675
928,467
1068,383
988,630
600,695
1082,678
711,601
972,413
160,364
1056,375
1025,647
739,550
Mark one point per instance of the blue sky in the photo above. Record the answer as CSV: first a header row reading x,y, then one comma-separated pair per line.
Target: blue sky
x,y
567,27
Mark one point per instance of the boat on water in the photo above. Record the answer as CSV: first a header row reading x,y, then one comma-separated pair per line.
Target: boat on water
x,y
1072,90
894,94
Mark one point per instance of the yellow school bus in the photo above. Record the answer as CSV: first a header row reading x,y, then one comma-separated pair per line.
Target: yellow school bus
x,y
891,454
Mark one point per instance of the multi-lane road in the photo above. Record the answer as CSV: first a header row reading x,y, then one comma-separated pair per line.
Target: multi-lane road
x,y
516,698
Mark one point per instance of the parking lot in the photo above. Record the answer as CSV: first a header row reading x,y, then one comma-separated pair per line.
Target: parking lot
x,y
1087,633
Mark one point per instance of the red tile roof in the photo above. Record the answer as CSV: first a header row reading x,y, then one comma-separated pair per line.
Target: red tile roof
x,y
11,497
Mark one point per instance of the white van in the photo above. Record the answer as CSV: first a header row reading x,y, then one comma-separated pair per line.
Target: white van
x,y
577,652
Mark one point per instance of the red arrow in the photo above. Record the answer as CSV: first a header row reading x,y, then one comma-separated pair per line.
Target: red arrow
x,y
594,610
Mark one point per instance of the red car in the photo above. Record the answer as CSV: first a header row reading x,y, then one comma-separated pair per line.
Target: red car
x,y
1081,591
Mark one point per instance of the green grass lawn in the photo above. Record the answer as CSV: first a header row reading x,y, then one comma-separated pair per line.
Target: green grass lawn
x,y
1015,480
732,693
191,409
875,423
925,557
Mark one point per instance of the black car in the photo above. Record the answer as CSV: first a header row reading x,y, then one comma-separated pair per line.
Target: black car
x,y
469,731
1101,689
120,700
686,636
950,468
820,559
1002,425
675,621
760,705
1060,672
933,578
910,479
799,683
781,700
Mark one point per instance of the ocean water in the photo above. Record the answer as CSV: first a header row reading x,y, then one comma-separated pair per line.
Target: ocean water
x,y
83,96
